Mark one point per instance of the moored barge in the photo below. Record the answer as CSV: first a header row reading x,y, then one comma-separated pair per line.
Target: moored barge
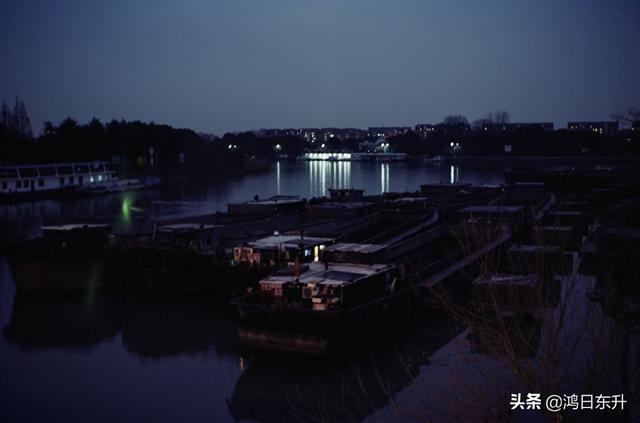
x,y
321,308
67,258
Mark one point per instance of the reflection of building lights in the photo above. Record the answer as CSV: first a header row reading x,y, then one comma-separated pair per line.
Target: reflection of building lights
x,y
384,178
278,178
454,174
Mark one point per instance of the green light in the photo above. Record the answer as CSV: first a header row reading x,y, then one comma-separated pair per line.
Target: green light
x,y
126,207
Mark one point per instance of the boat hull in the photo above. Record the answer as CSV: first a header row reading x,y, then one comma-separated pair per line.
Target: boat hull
x,y
309,332
60,270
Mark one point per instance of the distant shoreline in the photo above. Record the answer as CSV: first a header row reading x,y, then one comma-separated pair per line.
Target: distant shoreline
x,y
585,159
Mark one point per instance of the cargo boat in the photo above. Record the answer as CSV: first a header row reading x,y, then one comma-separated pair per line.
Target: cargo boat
x,y
67,258
322,308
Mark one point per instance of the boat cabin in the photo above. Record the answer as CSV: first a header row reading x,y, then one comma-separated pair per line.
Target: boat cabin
x,y
280,204
321,287
279,249
346,194
77,233
355,253
508,292
51,177
513,215
193,237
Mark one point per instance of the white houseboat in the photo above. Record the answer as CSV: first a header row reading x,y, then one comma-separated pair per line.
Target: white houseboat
x,y
51,177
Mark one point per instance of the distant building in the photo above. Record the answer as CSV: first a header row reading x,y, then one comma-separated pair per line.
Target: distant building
x,y
328,134
286,132
310,135
350,133
515,126
425,130
455,130
603,128
387,131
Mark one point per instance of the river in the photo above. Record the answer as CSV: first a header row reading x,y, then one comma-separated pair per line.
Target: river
x,y
186,197
110,358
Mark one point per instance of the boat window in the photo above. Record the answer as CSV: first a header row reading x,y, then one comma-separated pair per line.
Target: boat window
x,y
28,171
80,180
62,181
18,184
40,182
47,171
65,170
71,179
82,169
4,184
8,172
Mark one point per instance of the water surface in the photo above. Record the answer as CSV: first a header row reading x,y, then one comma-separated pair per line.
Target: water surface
x,y
186,197
110,358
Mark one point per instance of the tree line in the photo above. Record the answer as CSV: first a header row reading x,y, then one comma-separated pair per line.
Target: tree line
x,y
135,145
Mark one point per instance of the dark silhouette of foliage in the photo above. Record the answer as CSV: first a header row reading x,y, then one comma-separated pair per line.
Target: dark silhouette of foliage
x,y
15,132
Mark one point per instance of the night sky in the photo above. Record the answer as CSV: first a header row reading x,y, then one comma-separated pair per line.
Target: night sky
x,y
230,65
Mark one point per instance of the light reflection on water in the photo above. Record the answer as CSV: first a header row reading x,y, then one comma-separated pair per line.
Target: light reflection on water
x,y
125,359
455,174
324,175
109,358
187,197
97,358
384,180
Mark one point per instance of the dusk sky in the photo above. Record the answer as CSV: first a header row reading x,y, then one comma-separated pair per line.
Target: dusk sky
x,y
231,65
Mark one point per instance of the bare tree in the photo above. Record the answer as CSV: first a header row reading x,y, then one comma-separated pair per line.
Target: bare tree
x,y
494,118
631,115
453,120
500,116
